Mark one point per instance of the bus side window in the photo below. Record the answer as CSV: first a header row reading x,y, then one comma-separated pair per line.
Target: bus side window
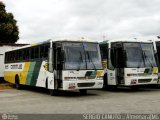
x,y
32,53
11,56
42,51
16,55
24,54
46,47
111,59
104,52
36,52
27,53
6,57
20,55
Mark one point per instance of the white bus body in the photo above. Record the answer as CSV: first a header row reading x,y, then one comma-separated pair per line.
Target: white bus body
x,y
156,43
129,62
70,64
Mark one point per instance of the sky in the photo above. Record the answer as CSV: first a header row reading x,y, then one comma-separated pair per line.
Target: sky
x,y
40,20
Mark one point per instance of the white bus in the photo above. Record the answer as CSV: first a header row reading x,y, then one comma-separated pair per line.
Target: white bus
x,y
56,64
128,62
156,43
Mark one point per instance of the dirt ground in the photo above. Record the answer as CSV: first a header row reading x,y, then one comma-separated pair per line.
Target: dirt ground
x,y
5,86
38,101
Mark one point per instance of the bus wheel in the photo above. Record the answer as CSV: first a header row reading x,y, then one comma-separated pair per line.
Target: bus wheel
x,y
134,87
83,91
53,92
105,82
112,87
17,85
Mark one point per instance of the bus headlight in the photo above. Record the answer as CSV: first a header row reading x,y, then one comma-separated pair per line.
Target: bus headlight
x,y
72,86
133,81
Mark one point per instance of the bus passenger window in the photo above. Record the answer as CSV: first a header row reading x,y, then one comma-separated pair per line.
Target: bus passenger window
x,y
27,54
6,57
16,55
37,52
46,51
32,53
20,55
24,54
41,51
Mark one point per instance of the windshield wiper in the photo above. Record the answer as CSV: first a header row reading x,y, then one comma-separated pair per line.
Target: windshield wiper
x,y
143,55
90,60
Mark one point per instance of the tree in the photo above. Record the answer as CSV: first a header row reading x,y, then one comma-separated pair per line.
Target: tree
x,y
9,32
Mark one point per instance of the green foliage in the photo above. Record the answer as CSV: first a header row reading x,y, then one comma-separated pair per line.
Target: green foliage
x,y
8,29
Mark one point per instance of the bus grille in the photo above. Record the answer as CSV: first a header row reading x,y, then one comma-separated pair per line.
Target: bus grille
x,y
86,84
144,80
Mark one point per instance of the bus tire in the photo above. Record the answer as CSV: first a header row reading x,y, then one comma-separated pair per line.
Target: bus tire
x,y
17,83
53,92
134,87
46,83
83,91
112,87
105,81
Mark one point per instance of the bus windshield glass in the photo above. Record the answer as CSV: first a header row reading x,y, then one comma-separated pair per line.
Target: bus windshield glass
x,y
139,55
134,55
148,54
82,56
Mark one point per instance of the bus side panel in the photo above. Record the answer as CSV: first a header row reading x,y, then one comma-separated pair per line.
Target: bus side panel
x,y
111,77
9,76
30,73
44,75
33,73
24,73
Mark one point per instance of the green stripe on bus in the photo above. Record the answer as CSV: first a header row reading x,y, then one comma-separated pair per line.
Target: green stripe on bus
x,y
35,73
30,73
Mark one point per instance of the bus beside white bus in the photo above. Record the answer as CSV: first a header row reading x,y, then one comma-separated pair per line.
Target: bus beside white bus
x,y
156,43
56,64
128,62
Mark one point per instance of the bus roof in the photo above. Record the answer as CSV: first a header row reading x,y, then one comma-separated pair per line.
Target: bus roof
x,y
73,39
127,40
64,39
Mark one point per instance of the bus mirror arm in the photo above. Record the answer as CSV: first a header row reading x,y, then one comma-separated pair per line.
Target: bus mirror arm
x,y
50,67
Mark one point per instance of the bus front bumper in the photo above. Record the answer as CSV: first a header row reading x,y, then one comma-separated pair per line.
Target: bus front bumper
x,y
81,84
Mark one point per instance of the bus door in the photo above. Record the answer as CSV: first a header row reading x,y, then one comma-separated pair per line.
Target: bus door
x,y
111,70
119,64
116,64
58,64
158,54
158,58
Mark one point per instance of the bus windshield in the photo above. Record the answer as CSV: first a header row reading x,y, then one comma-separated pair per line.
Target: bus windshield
x,y
82,56
148,54
139,55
